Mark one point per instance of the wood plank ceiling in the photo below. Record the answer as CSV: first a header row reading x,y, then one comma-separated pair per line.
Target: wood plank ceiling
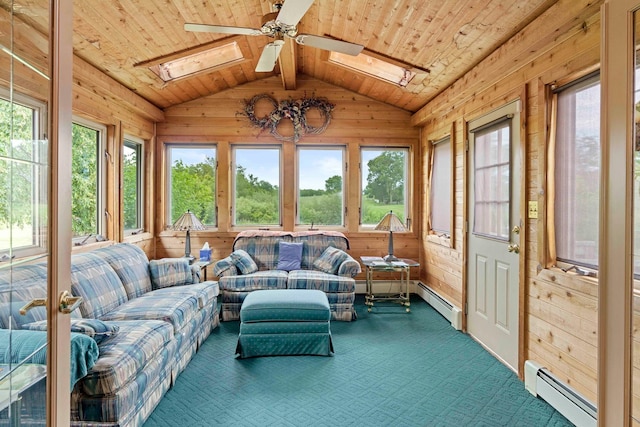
x,y
442,39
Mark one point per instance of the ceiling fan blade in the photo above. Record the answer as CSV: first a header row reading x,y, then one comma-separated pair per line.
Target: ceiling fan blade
x,y
204,28
292,11
269,56
329,44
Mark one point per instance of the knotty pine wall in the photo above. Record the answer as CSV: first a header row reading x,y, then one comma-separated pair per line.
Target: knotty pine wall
x,y
356,121
558,310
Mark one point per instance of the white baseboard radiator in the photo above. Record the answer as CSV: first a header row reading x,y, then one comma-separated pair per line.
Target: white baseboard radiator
x,y
575,407
442,306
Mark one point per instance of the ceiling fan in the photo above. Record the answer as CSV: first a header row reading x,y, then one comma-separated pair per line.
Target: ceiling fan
x,y
277,25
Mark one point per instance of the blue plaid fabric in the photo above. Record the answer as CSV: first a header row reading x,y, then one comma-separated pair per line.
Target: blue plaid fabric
x,y
170,272
225,267
97,283
276,279
330,260
243,261
309,279
131,265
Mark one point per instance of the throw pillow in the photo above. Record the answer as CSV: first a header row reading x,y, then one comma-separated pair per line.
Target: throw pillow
x,y
244,263
94,328
330,260
289,256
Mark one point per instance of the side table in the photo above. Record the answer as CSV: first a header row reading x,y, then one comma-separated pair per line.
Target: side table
x,y
377,264
203,265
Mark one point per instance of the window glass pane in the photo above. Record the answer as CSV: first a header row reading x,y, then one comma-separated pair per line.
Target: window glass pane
x,y
257,186
84,180
492,181
192,177
320,186
440,188
577,174
132,184
384,177
23,174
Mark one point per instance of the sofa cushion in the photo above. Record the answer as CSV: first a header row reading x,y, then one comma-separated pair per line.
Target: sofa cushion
x,y
330,260
310,279
156,306
130,264
274,279
204,292
94,328
243,261
289,256
284,305
170,272
126,354
93,279
225,267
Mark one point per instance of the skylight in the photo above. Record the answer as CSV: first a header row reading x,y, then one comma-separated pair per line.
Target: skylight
x,y
374,67
224,55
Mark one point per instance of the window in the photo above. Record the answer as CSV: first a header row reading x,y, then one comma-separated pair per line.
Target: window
x,y
384,184
492,180
576,154
87,179
440,188
132,182
256,186
23,177
192,182
321,186
374,67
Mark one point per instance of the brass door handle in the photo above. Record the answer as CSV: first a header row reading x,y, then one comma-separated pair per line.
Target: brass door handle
x,y
36,302
513,247
68,302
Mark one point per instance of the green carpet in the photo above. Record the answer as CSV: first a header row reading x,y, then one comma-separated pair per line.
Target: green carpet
x,y
390,368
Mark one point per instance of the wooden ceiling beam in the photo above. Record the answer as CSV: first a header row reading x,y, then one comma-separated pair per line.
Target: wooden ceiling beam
x,y
287,60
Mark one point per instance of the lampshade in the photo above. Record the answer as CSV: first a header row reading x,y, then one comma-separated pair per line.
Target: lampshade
x,y
188,221
390,222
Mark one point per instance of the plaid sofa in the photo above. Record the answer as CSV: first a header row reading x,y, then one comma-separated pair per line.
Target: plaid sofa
x,y
263,248
158,312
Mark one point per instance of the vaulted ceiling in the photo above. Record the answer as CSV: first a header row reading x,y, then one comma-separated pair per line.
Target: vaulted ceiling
x,y
440,40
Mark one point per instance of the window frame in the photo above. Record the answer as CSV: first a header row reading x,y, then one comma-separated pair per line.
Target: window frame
x,y
167,191
101,185
138,145
39,241
234,148
408,187
552,260
343,151
442,237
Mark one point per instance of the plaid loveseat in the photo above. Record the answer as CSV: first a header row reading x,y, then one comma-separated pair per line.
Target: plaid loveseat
x,y
263,248
157,313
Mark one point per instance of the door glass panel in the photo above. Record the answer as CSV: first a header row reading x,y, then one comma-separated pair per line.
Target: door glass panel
x,y
24,206
492,182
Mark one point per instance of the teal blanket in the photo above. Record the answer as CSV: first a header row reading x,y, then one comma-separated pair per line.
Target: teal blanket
x,y
31,347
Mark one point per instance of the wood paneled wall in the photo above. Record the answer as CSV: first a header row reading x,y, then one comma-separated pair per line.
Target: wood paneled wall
x,y
559,310
356,121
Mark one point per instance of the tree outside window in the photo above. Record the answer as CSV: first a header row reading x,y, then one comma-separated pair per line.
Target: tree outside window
x,y
257,186
85,180
320,178
192,178
384,178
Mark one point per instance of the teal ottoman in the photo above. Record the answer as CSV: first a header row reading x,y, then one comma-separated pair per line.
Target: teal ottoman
x,y
283,322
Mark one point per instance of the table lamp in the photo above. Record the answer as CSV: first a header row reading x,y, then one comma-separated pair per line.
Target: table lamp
x,y
188,221
390,222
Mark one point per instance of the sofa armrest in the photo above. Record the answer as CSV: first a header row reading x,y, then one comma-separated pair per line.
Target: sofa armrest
x,y
167,272
349,268
225,267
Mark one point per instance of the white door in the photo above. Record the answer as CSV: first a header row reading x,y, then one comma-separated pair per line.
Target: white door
x,y
494,226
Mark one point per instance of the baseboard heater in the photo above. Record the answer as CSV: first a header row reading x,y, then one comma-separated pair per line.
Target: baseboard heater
x,y
575,407
442,306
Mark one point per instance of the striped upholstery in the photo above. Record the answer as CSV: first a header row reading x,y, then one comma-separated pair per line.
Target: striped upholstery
x,y
170,272
263,248
131,265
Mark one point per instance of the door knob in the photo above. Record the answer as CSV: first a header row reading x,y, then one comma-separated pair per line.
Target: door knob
x,y
513,247
36,302
68,302
516,229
